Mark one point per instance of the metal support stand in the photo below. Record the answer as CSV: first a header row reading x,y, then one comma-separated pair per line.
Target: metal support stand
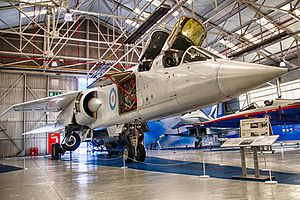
x,y
71,155
255,161
243,161
245,174
265,169
204,174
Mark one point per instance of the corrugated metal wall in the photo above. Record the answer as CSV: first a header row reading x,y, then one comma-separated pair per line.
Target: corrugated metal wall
x,y
16,88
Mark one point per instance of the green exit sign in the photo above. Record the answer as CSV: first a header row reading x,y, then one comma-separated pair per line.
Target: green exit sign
x,y
52,94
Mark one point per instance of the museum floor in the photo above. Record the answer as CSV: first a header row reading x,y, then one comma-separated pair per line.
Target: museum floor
x,y
165,175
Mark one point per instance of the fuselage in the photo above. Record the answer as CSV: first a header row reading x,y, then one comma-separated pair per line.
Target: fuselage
x,y
164,92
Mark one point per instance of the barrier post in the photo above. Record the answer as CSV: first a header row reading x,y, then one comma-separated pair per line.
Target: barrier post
x,y
204,173
221,164
124,163
271,180
24,164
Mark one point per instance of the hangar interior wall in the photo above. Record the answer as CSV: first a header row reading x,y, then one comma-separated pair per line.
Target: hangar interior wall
x,y
289,90
17,88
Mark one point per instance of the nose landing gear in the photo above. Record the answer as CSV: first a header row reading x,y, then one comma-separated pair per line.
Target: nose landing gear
x,y
71,142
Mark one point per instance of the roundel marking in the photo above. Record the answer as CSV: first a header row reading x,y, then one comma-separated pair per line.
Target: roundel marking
x,y
112,98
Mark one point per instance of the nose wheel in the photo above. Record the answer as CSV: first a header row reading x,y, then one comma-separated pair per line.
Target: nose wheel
x,y
71,142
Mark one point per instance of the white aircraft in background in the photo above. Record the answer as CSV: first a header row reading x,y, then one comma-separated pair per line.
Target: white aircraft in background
x,y
174,76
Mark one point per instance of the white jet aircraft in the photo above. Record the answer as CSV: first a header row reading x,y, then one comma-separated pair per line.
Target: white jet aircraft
x,y
174,76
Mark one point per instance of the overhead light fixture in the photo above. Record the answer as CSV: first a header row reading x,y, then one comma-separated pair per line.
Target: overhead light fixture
x,y
282,64
154,2
54,63
189,2
175,13
68,17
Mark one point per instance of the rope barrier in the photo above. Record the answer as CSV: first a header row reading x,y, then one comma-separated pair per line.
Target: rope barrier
x,y
107,159
162,165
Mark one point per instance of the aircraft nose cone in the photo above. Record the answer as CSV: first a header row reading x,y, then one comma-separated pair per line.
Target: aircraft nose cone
x,y
94,104
235,78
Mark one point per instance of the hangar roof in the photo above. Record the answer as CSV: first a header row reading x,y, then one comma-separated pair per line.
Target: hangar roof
x,y
263,31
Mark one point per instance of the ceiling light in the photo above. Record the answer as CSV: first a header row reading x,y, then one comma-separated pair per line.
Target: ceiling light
x,y
54,63
175,13
189,2
132,23
282,64
155,2
68,17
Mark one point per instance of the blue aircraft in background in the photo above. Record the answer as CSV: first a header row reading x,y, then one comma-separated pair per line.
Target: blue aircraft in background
x,y
212,123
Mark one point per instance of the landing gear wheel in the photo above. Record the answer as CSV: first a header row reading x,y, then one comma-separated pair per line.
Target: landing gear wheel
x,y
56,151
141,153
128,153
71,143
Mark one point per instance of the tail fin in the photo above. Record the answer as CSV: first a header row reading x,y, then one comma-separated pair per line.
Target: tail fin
x,y
222,109
215,111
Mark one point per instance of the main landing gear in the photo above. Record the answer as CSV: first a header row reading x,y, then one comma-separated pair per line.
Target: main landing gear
x,y
133,137
129,144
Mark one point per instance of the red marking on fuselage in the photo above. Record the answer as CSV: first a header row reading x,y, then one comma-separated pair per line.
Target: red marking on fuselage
x,y
279,108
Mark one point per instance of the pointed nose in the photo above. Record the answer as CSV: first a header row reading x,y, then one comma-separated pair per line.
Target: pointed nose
x,y
235,78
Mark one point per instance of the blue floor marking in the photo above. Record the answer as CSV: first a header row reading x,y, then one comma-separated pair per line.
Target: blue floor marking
x,y
188,168
8,168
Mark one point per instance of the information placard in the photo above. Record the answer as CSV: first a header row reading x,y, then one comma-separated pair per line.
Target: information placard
x,y
255,127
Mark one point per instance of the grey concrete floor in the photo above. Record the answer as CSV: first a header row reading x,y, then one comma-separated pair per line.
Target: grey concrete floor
x,y
47,179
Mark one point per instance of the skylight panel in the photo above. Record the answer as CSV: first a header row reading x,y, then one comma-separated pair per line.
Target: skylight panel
x,y
155,2
230,45
216,52
132,23
144,14
33,13
287,7
266,24
249,36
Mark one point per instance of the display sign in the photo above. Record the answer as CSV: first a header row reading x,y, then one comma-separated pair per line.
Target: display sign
x,y
255,127
52,138
251,141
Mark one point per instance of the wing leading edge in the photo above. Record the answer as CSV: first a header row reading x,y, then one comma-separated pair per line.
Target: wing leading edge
x,y
48,104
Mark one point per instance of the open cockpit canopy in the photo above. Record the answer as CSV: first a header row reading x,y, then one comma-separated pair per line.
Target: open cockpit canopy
x,y
187,32
154,45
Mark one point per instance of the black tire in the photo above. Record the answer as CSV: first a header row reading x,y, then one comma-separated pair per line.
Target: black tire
x,y
141,153
56,151
73,142
128,153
